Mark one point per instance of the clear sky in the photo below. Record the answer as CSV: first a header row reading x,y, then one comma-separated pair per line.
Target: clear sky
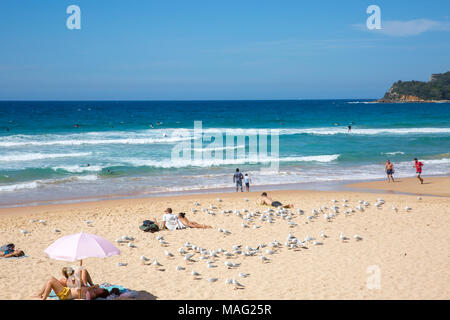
x,y
208,49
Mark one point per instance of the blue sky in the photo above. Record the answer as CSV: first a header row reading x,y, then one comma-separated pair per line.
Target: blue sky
x,y
205,49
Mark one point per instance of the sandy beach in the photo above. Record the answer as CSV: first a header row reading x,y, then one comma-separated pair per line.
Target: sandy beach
x,y
432,185
411,250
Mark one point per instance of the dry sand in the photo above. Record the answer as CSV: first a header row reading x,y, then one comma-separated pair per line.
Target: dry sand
x,y
411,249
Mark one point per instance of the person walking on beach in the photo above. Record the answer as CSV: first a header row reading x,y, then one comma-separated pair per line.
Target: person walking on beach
x,y
389,170
418,165
237,178
247,182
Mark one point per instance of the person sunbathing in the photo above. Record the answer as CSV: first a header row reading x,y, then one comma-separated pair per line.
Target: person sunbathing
x,y
266,200
66,293
187,223
9,254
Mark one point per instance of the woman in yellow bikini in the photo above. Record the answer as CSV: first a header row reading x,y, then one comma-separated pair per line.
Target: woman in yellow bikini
x,y
66,293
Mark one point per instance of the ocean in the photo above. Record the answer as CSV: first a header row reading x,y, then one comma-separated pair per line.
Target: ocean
x,y
63,150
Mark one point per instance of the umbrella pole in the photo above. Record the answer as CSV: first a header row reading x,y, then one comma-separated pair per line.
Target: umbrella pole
x,y
79,292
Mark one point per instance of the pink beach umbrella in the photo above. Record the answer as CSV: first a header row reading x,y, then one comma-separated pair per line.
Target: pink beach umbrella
x,y
81,246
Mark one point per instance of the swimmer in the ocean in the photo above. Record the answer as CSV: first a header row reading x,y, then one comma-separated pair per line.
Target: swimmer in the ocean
x,y
349,128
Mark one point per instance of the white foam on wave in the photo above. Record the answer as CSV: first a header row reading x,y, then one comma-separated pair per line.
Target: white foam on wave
x,y
393,153
42,183
39,156
220,162
174,135
79,169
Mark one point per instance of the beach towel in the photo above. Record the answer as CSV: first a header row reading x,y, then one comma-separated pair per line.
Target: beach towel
x,y
13,258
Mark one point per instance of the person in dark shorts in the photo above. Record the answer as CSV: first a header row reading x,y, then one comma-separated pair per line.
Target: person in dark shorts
x,y
237,178
390,170
266,200
418,165
247,182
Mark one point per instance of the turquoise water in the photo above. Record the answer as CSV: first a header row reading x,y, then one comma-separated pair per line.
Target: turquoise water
x,y
45,147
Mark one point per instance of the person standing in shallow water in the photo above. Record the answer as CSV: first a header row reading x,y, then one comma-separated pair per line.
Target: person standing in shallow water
x,y
390,170
237,179
247,181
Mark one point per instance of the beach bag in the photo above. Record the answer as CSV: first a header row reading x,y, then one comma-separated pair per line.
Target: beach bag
x,y
149,226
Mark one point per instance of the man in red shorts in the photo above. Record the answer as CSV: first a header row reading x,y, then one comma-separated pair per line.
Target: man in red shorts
x,y
418,166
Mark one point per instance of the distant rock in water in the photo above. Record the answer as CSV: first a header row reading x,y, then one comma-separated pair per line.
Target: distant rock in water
x,y
435,90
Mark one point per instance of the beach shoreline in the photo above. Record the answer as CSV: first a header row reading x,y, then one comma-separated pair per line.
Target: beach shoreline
x,y
369,186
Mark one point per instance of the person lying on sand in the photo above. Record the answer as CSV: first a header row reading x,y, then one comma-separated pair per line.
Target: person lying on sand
x,y
9,251
191,224
66,293
266,200
15,253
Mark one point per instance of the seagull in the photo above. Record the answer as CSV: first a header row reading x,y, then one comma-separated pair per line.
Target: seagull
x,y
300,212
195,273
357,237
270,251
419,198
156,263
182,251
229,264
243,275
196,204
308,238
226,231
167,253
131,245
188,256
88,221
407,208
244,225
24,231
316,243
33,220
120,264
57,231
341,236
236,283
144,258
245,199
228,281
212,279
159,238
322,235
209,264
43,221
256,227
179,268
219,200
263,259
188,245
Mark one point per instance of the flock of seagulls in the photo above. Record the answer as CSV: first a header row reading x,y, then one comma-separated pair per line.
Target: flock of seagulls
x,y
192,253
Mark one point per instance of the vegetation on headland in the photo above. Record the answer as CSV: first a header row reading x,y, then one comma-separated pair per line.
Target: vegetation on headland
x,y
435,90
